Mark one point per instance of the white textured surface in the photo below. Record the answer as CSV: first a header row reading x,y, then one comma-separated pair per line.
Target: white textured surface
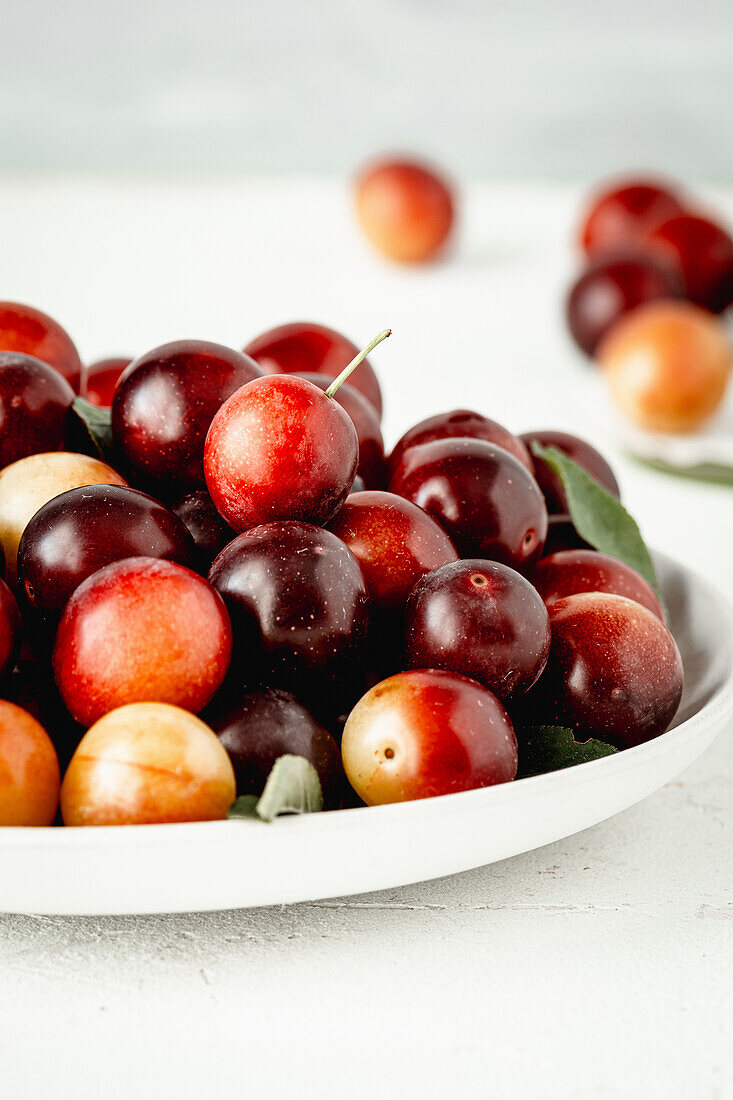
x,y
599,966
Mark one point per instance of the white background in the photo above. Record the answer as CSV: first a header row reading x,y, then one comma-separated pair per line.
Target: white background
x,y
521,88
596,967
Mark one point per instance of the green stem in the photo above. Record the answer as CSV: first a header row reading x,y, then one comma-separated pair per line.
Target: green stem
x,y
346,372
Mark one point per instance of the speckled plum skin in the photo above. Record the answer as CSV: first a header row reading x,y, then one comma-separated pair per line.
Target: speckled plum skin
x,y
298,605
481,495
461,423
395,542
372,466
569,572
614,671
279,449
270,723
141,630
165,401
579,451
79,532
304,346
28,330
482,619
425,733
34,403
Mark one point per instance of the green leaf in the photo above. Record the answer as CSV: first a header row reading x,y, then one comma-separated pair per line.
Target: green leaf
x,y
292,787
90,425
549,748
713,472
599,517
245,806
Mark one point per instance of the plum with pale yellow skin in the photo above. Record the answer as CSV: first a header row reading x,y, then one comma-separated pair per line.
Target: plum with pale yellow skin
x,y
29,483
141,630
425,733
667,365
29,769
144,764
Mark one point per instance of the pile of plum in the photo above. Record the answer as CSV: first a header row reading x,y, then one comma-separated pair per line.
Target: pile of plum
x,y
224,567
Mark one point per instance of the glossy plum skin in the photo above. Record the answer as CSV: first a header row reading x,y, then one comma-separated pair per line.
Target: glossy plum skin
x,y
298,605
461,423
100,378
704,253
165,401
147,764
34,403
569,572
619,217
29,483
315,349
614,670
270,723
482,619
582,453
612,287
29,769
424,733
395,543
81,531
10,632
372,466
481,495
141,630
405,209
667,365
209,531
280,449
31,332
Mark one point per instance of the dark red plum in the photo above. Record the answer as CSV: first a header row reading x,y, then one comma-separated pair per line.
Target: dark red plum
x,y
209,531
620,216
315,349
165,401
482,619
612,287
481,495
31,332
270,723
579,451
10,631
34,404
298,604
100,379
614,671
704,252
462,424
82,530
569,572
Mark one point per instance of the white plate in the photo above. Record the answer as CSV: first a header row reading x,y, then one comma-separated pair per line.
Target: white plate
x,y
234,864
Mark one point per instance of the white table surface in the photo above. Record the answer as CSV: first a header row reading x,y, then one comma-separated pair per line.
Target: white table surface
x,y
599,966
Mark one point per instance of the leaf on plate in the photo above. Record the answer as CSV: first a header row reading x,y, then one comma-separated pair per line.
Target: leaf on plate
x,y
716,473
93,426
599,517
245,806
549,748
292,787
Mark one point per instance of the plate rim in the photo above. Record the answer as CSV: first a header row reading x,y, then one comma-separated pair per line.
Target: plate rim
x,y
714,710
